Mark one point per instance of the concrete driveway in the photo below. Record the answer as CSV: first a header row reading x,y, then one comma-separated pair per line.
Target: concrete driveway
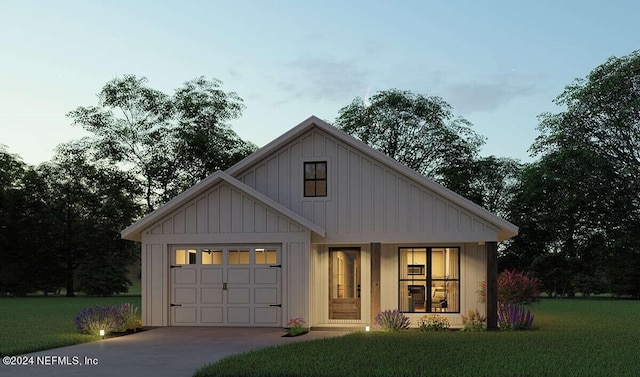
x,y
165,351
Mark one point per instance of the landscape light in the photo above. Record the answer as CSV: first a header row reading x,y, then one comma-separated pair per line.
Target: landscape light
x,y
102,333
367,328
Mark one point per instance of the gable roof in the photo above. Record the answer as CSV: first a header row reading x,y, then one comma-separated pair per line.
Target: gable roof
x,y
506,229
134,231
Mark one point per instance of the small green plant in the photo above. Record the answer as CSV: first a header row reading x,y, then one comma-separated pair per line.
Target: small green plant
x,y
296,327
129,315
433,322
392,320
473,321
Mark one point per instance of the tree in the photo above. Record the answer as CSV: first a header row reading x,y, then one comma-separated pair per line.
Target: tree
x,y
205,143
169,143
418,131
493,182
588,178
85,204
602,113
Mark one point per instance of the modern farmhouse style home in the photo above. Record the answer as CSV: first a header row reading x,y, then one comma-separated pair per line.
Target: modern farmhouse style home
x,y
318,225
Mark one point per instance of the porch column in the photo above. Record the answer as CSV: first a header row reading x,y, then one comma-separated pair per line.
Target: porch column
x,y
375,279
491,249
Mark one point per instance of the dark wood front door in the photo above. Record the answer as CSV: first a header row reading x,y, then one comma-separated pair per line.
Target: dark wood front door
x,y
344,283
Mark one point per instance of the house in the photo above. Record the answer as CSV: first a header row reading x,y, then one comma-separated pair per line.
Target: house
x,y
318,225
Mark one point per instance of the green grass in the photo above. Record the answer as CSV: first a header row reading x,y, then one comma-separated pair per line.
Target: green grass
x,y
29,324
571,337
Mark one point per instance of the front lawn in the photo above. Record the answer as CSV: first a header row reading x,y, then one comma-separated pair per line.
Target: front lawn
x,y
29,324
571,337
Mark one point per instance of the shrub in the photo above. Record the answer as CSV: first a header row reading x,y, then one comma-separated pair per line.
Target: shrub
x,y
473,321
514,317
392,320
108,318
433,322
129,315
296,327
99,317
514,288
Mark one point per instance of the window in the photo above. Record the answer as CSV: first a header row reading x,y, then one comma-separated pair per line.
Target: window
x,y
185,256
211,256
315,179
266,256
429,279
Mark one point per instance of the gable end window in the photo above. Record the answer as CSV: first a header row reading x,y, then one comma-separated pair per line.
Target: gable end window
x,y
315,179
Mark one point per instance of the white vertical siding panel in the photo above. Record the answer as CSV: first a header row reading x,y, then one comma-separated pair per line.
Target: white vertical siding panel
x,y
318,144
378,212
214,211
167,226
307,209
283,225
272,222
319,212
453,219
355,184
388,277
342,191
202,215
190,219
295,179
236,211
465,223
249,179
404,208
428,213
390,202
225,209
248,215
366,196
284,175
415,209
472,272
261,179
273,184
440,216
297,271
178,222
157,287
331,206
145,285
307,146
260,218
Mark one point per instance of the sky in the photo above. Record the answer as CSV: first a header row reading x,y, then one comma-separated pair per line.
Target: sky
x,y
499,64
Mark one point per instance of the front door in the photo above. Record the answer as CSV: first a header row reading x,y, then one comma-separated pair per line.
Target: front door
x,y
344,283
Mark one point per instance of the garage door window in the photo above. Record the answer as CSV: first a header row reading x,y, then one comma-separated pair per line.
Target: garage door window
x,y
238,256
185,256
266,256
211,256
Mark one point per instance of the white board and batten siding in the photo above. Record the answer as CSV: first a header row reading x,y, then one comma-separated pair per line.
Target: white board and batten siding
x,y
223,215
367,200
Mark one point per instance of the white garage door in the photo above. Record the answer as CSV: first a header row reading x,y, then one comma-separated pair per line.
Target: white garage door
x,y
226,286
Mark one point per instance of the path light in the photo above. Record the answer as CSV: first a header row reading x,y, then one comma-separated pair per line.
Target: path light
x,y
102,333
367,328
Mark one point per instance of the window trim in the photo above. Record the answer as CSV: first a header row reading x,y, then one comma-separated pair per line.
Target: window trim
x,y
428,278
329,178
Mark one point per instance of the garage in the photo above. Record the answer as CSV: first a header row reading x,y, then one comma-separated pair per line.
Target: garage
x,y
235,285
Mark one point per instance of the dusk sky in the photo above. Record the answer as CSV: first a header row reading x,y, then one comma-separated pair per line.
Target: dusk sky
x,y
498,63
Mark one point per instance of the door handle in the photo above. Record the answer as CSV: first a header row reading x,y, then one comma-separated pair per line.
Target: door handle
x,y
224,286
